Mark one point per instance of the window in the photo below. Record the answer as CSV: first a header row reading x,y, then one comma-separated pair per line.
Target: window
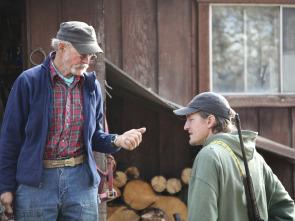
x,y
252,49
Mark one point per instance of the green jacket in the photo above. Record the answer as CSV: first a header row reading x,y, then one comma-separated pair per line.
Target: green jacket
x,y
216,189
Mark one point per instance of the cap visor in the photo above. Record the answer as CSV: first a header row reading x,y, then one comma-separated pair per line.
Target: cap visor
x,y
87,48
182,112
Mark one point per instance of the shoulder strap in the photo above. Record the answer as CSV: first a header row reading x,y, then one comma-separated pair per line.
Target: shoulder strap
x,y
108,175
221,143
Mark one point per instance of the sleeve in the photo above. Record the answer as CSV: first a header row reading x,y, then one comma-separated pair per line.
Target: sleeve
x,y
13,133
203,188
280,205
101,140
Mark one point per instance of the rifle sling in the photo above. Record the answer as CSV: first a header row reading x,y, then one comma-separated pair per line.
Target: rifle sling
x,y
221,143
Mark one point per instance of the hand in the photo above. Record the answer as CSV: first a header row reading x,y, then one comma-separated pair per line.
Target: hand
x,y
6,201
130,139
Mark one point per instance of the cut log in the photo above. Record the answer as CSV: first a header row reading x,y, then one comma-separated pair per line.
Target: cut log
x,y
153,214
173,185
110,209
171,205
120,179
123,213
159,183
185,175
138,194
132,173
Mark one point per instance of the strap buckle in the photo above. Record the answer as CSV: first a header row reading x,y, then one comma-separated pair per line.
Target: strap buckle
x,y
111,193
70,162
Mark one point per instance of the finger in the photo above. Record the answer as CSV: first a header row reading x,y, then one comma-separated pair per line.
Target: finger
x,y
132,142
137,136
127,145
142,130
8,208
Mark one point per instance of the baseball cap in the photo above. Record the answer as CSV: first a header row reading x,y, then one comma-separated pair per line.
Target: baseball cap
x,y
209,102
81,36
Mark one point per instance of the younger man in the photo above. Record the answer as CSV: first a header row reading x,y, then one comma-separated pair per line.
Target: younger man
x,y
216,189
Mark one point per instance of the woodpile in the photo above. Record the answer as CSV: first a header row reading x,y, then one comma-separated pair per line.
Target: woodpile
x,y
158,199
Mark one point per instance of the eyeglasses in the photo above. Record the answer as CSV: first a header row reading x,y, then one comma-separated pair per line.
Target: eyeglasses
x,y
91,57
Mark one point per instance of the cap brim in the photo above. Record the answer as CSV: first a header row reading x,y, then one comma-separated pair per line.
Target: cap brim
x,y
182,112
87,48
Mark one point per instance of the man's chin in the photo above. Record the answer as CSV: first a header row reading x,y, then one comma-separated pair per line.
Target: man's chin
x,y
195,144
192,143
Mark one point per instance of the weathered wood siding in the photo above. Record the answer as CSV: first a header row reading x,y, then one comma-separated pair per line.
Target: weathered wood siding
x,y
154,42
164,150
164,44
275,124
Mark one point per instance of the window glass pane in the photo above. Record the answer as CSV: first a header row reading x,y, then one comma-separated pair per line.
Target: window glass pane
x,y
288,49
245,49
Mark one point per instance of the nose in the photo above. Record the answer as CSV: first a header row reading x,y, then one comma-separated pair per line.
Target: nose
x,y
85,59
186,126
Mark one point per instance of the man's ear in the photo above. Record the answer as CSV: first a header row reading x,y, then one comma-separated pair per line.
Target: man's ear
x,y
62,47
211,121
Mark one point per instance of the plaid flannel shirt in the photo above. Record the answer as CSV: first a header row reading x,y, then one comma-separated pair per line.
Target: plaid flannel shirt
x,y
65,135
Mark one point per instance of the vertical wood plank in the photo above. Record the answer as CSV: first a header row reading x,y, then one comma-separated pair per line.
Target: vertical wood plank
x,y
194,49
175,50
41,27
140,41
113,32
203,48
249,118
274,125
293,145
135,115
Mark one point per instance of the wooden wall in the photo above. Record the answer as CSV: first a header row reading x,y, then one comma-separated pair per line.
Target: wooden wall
x,y
275,124
154,42
165,149
164,44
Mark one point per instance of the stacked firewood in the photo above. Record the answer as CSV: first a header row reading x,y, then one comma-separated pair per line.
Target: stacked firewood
x,y
139,200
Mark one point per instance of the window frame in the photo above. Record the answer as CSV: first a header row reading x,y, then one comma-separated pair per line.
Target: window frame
x,y
204,57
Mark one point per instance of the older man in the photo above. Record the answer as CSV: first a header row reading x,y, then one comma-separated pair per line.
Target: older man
x,y
52,124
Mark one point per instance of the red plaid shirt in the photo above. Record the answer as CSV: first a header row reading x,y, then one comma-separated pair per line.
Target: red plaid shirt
x,y
65,136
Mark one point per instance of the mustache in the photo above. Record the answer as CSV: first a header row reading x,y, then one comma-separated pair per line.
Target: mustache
x,y
84,66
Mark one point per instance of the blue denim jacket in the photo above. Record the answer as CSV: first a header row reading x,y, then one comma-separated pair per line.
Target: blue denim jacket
x,y
26,122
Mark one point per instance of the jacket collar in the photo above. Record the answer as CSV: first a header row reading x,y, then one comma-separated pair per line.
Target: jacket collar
x,y
90,81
